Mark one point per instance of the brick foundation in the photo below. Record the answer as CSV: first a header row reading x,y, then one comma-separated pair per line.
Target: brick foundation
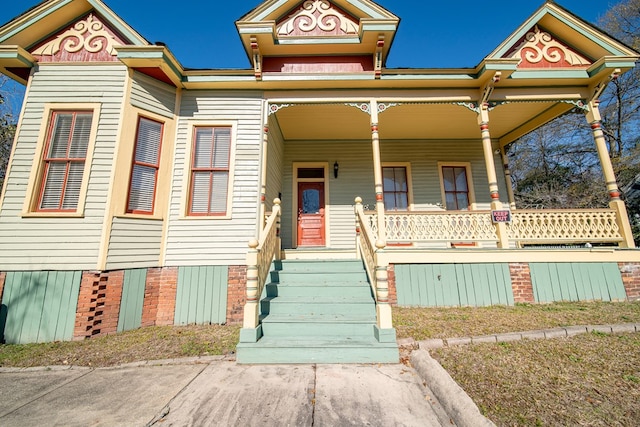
x,y
391,282
98,304
159,304
630,273
236,293
521,282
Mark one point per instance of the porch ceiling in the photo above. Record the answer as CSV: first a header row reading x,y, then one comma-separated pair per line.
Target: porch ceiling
x,y
317,122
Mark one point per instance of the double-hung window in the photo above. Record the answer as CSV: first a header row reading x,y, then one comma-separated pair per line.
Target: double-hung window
x,y
146,163
456,187
64,160
210,169
395,188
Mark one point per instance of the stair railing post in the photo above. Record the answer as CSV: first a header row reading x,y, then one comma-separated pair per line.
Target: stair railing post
x,y
277,209
251,306
358,211
383,308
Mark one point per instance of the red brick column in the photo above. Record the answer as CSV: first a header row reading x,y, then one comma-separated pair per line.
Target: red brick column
x,y
391,282
236,293
521,282
630,272
3,277
167,289
98,304
151,297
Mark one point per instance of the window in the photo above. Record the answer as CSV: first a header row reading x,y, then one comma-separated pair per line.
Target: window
x,y
146,162
456,187
210,167
64,160
395,188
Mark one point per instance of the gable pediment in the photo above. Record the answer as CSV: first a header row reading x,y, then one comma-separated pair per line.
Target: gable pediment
x,y
555,39
317,28
86,40
317,18
540,49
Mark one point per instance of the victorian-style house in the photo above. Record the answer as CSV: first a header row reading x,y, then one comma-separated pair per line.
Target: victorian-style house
x,y
304,196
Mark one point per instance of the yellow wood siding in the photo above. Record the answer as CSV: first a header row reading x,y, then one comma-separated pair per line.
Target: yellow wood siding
x,y
152,95
195,241
55,242
134,243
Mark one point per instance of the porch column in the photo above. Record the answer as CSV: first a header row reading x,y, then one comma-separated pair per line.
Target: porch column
x,y
507,175
377,175
263,167
595,120
383,308
483,121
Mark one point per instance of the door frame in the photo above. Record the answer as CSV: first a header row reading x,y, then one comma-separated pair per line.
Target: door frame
x,y
294,205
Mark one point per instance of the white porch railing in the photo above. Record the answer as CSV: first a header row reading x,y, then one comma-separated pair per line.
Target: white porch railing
x,y
526,226
565,226
261,254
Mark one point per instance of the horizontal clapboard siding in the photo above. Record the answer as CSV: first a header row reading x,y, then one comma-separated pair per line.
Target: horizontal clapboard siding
x,y
576,282
453,285
134,243
39,306
355,178
133,287
152,95
213,241
201,297
61,243
275,154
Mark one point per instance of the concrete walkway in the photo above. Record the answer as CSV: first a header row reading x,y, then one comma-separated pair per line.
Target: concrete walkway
x,y
217,392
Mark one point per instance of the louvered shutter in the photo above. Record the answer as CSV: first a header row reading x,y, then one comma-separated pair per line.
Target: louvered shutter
x,y
142,187
65,160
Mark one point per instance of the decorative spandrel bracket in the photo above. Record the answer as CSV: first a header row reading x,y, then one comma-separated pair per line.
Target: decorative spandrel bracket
x,y
365,107
274,108
580,104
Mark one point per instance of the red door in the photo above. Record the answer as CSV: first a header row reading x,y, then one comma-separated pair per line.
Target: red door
x,y
311,214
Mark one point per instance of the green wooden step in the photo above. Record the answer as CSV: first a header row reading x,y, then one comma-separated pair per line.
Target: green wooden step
x,y
274,350
317,305
344,289
313,327
319,266
301,278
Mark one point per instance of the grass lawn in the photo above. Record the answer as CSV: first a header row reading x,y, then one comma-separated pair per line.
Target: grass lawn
x,y
590,379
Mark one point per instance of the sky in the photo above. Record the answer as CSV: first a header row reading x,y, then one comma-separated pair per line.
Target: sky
x,y
432,34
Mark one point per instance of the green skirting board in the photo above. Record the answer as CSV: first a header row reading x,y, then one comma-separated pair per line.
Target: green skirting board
x,y
453,285
576,281
39,306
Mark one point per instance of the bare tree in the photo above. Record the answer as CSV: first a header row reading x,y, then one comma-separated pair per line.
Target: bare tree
x,y
7,125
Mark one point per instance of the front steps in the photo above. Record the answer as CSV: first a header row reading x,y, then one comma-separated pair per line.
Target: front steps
x,y
318,312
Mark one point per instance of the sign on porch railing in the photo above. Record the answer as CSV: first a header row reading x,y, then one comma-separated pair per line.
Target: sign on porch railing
x,y
501,215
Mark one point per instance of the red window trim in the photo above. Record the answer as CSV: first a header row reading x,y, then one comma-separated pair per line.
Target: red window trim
x,y
155,166
46,160
211,171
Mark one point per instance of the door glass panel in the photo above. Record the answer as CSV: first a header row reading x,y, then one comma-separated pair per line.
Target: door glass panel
x,y
311,201
317,173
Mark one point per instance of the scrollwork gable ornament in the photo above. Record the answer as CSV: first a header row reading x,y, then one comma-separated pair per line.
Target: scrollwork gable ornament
x,y
86,39
541,49
317,17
